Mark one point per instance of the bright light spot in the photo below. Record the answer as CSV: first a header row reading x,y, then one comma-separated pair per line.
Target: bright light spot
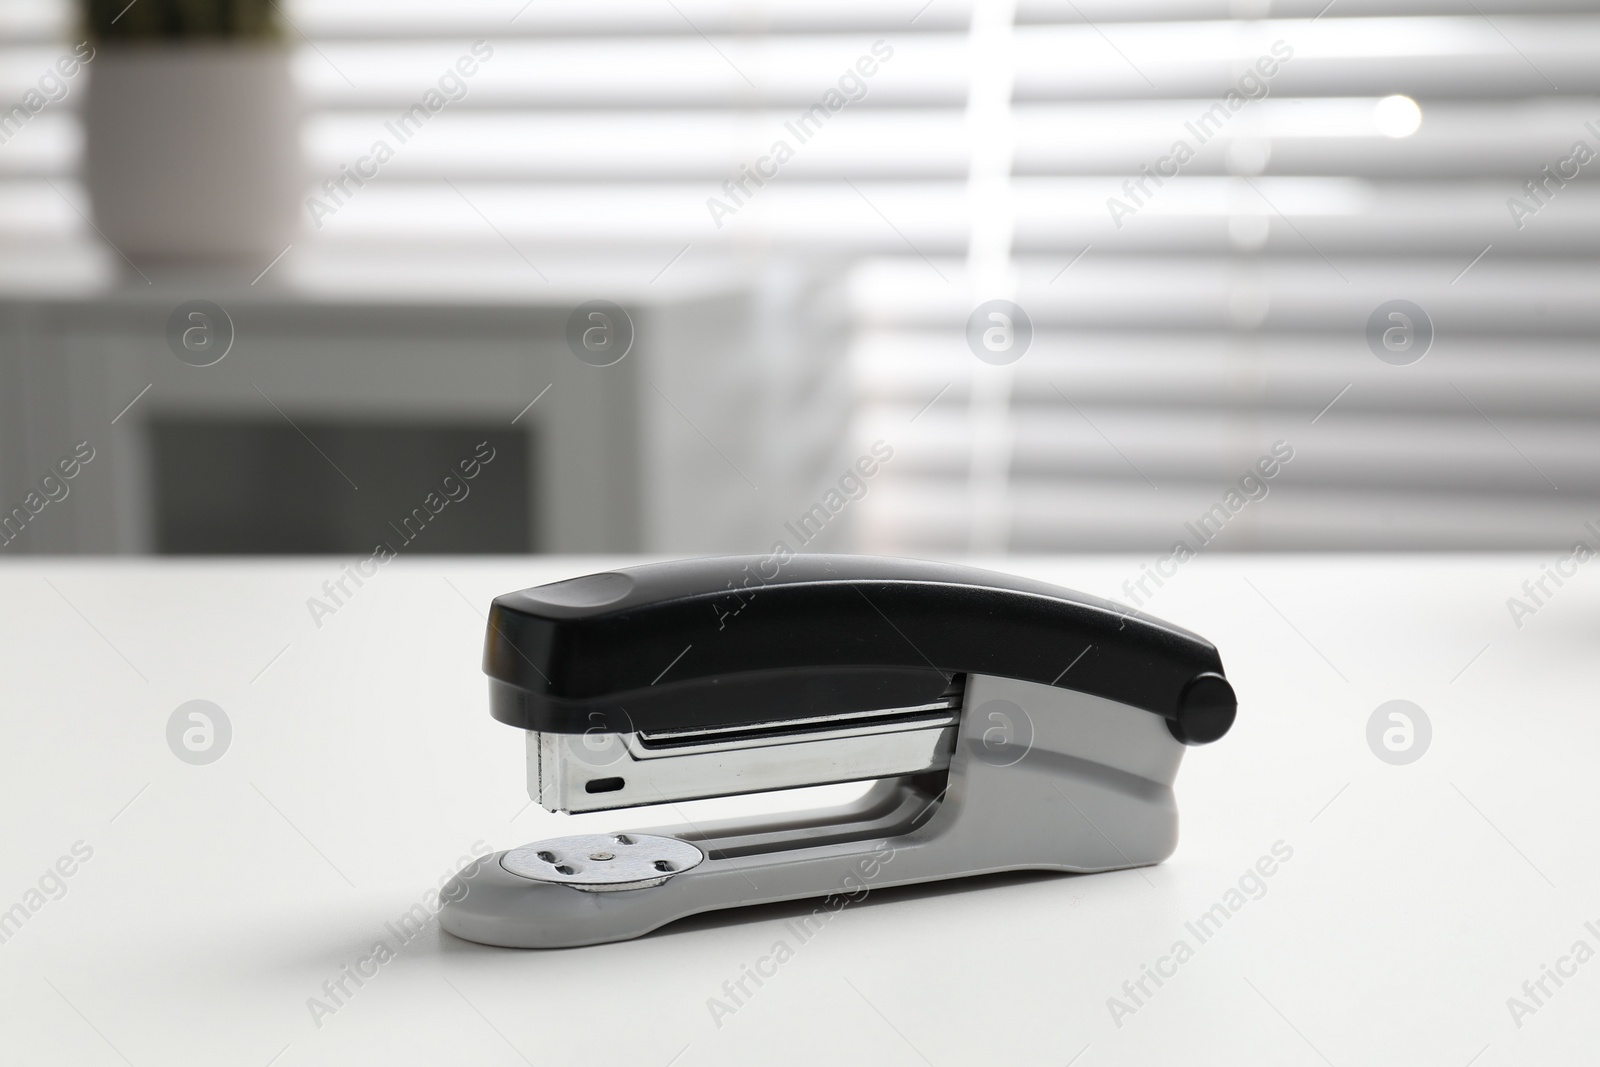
x,y
1397,116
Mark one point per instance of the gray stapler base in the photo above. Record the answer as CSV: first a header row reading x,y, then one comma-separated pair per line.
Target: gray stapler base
x,y
1042,778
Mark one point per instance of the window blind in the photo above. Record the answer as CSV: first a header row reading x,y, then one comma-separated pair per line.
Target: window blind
x,y
938,155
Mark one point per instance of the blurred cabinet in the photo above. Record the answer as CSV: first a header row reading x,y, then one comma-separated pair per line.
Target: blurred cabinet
x,y
730,406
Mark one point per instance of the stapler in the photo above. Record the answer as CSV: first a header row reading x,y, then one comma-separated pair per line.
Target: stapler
x,y
1005,724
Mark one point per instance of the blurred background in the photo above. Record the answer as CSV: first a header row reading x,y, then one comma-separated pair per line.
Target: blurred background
x,y
907,276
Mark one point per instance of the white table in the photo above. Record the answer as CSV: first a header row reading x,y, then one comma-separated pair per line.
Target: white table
x,y
363,763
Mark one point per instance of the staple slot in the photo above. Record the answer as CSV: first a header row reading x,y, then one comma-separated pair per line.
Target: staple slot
x,y
937,715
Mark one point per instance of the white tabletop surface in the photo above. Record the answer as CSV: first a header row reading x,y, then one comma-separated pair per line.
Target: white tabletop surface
x,y
218,899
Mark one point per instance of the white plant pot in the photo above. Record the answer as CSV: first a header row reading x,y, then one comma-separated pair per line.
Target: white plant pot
x,y
192,151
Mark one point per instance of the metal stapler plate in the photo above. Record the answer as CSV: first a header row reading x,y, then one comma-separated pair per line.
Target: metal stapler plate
x,y
603,863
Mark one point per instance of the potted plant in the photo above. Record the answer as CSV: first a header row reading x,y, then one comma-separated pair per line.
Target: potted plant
x,y
192,130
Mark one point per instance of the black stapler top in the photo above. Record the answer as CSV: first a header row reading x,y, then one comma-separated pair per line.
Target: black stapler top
x,y
736,641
